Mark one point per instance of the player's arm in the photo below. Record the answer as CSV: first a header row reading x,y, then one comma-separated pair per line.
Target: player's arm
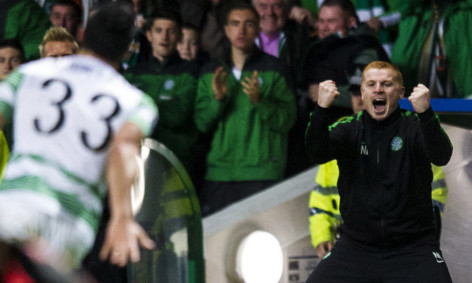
x,y
123,235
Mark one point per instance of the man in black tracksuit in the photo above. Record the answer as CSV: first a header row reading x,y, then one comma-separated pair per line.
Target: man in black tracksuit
x,y
384,156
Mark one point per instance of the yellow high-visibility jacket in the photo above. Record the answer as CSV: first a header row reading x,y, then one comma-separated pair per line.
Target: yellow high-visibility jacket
x,y
4,151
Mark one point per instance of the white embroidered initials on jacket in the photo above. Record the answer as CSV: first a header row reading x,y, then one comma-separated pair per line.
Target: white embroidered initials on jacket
x,y
438,257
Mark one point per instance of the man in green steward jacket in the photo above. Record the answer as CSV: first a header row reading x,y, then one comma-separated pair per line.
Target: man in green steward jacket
x,y
172,83
245,101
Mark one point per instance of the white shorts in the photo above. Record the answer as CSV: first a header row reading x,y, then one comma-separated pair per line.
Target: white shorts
x,y
34,220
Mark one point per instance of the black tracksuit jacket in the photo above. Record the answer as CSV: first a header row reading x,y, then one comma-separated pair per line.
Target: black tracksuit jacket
x,y
385,171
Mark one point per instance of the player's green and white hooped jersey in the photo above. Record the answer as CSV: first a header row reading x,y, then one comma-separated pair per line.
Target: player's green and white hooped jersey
x,y
65,113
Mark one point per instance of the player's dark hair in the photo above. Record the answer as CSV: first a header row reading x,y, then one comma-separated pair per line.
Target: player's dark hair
x,y
110,30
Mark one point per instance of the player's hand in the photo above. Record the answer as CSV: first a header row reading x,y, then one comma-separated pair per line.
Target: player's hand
x,y
122,241
323,248
327,93
219,83
420,98
251,87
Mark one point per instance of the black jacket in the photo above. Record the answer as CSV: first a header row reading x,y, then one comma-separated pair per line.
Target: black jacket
x,y
336,57
385,171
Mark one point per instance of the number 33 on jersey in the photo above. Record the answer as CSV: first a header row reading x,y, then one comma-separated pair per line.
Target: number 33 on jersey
x,y
67,111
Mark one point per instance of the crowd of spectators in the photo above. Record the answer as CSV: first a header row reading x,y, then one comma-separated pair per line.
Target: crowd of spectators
x,y
312,41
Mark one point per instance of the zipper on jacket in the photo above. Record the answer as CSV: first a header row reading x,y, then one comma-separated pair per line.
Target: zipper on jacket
x,y
382,229
378,158
382,221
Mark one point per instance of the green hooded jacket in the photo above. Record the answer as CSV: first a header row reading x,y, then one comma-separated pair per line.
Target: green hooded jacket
x,y
249,141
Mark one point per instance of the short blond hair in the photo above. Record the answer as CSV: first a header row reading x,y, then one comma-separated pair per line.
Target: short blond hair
x,y
58,34
397,76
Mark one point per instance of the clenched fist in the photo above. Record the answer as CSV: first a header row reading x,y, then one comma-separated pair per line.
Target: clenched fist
x,y
327,93
420,98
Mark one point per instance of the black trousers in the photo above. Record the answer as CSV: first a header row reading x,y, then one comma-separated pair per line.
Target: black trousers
x,y
351,261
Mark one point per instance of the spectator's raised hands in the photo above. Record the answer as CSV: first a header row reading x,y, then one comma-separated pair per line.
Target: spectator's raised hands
x,y
251,87
219,83
420,98
327,93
